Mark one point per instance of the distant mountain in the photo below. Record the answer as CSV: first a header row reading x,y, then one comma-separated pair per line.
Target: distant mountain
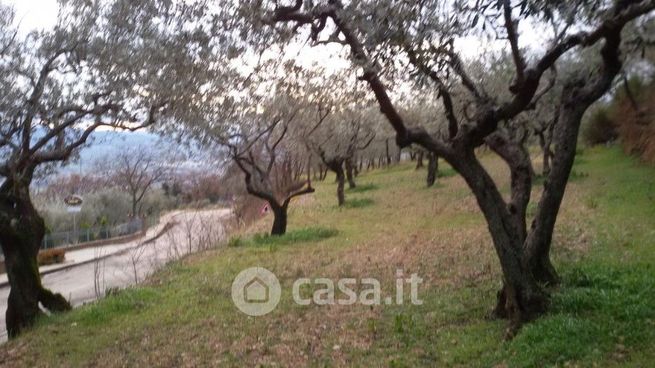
x,y
106,144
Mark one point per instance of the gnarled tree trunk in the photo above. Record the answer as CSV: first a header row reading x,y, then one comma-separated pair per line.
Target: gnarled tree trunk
x,y
21,234
536,265
387,153
341,197
545,144
521,298
336,164
350,174
433,168
337,167
419,160
280,217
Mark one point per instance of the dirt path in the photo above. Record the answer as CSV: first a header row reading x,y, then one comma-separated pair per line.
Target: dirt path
x,y
131,263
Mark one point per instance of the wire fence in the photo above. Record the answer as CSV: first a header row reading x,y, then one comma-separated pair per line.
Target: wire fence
x,y
71,238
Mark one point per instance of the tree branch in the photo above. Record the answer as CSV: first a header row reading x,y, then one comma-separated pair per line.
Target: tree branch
x,y
513,37
443,92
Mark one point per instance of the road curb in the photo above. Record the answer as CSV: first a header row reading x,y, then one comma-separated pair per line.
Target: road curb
x,y
169,225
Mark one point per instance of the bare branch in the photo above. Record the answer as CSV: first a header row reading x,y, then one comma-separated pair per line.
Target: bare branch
x,y
64,152
443,92
513,37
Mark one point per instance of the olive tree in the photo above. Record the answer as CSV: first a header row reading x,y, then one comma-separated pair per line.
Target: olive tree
x,y
421,108
98,67
340,123
252,121
257,150
336,144
391,40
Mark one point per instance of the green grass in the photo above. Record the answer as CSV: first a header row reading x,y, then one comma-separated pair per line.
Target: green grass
x,y
358,202
603,313
128,301
295,236
361,188
446,172
304,235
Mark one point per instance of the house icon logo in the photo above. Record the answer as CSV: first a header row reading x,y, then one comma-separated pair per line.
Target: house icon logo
x,y
256,291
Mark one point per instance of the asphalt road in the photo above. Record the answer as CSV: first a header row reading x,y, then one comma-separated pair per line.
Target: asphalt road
x,y
130,264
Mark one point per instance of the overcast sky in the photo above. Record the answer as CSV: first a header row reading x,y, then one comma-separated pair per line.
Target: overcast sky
x,y
39,14
34,14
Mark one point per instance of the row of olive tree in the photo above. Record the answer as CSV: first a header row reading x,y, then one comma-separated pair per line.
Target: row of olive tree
x,y
413,45
276,129
391,42
344,126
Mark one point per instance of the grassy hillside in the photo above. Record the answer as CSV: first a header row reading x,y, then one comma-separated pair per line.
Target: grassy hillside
x,y
602,315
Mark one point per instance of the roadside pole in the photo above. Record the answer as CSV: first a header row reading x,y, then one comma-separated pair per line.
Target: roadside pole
x,y
74,206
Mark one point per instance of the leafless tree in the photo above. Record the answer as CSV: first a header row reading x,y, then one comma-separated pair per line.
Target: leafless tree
x,y
137,171
99,273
